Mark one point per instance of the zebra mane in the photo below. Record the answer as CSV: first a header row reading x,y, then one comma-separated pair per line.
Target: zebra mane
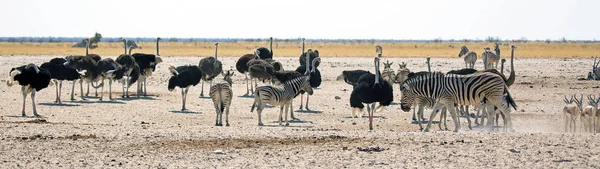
x,y
412,77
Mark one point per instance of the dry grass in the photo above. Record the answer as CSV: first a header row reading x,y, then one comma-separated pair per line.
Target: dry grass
x,y
327,49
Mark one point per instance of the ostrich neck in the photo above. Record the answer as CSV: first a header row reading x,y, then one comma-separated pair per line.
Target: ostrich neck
x,y
271,46
157,51
125,46
87,46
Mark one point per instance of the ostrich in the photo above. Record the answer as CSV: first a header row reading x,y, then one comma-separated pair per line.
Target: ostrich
x,y
59,72
369,90
267,55
147,64
96,58
211,67
32,79
242,66
130,69
87,66
184,77
315,77
111,70
351,76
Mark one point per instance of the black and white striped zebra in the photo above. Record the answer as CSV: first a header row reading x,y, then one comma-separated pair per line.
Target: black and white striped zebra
x,y
221,94
451,89
280,96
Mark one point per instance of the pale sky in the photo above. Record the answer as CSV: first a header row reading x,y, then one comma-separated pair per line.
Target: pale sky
x,y
366,19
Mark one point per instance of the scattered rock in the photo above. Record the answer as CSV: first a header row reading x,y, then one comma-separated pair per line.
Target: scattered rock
x,y
345,148
219,152
337,98
512,150
372,149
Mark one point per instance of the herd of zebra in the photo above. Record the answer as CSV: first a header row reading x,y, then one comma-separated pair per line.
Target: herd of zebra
x,y
454,91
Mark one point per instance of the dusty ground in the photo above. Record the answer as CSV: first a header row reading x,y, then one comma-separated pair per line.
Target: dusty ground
x,y
149,131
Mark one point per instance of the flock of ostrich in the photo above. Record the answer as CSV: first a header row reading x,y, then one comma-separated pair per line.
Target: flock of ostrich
x,y
454,91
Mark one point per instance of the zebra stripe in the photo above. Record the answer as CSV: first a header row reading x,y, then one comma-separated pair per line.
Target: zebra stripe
x,y
280,96
451,89
221,95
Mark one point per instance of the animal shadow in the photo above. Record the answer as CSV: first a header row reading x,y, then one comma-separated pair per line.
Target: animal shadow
x,y
366,117
184,112
59,105
309,111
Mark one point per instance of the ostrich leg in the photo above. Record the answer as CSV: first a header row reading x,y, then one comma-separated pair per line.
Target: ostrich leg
x,y
102,90
73,91
301,101
247,89
110,89
202,92
56,101
371,116
33,103
24,100
81,87
307,97
88,90
59,91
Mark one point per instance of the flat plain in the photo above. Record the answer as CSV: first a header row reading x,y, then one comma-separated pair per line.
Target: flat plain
x,y
151,132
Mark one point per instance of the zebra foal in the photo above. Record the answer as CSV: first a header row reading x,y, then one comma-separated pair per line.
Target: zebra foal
x,y
221,94
281,96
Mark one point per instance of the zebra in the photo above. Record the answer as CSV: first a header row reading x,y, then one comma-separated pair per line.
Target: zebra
x,y
470,57
388,74
280,96
489,58
221,94
451,89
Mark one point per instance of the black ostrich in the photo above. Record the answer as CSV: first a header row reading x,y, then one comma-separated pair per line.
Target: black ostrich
x,y
351,76
87,66
371,89
59,72
242,66
315,76
32,79
97,58
264,53
211,67
184,77
111,70
147,64
130,69
260,69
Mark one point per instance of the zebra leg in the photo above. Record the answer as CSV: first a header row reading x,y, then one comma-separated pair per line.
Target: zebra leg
x,y
227,112
452,110
221,112
292,111
73,91
259,110
281,113
419,115
468,117
287,106
442,114
301,101
445,115
414,116
436,109
217,111
566,122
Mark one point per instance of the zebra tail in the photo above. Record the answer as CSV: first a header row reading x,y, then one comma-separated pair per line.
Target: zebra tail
x,y
510,100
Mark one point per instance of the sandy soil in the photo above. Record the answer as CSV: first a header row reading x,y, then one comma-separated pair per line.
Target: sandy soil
x,y
150,131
